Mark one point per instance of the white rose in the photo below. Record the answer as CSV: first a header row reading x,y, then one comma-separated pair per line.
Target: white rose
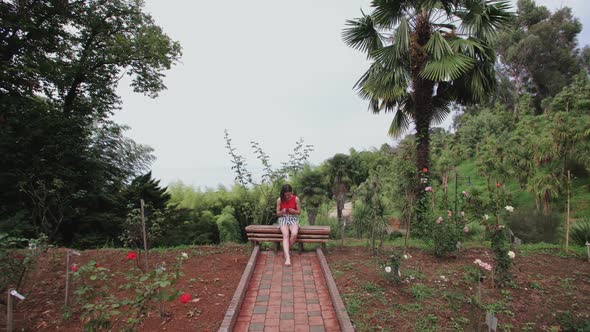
x,y
184,255
511,254
388,269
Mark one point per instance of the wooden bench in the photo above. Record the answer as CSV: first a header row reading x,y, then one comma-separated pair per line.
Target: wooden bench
x,y
270,233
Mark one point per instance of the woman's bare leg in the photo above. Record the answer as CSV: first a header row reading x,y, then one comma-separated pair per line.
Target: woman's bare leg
x,y
286,246
294,231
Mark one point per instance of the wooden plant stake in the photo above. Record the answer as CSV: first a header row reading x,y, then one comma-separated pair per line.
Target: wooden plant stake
x,y
569,198
144,233
10,306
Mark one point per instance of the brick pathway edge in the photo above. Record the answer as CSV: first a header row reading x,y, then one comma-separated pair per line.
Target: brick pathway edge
x,y
341,313
231,315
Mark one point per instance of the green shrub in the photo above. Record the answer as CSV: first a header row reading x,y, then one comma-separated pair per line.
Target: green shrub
x,y
17,225
396,234
334,226
476,231
580,232
15,259
229,230
445,235
189,228
571,323
533,226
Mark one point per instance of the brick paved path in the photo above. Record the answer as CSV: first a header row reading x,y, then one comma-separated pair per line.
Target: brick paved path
x,y
281,298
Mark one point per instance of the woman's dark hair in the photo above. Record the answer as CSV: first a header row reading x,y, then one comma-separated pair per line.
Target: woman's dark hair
x,y
285,189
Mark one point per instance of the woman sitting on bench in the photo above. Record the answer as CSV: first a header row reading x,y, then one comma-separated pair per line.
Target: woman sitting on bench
x,y
288,210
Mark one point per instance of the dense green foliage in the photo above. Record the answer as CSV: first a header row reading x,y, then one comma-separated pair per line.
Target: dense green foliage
x,y
71,174
65,167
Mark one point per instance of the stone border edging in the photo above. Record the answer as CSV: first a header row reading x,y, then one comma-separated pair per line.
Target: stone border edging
x,y
231,315
341,313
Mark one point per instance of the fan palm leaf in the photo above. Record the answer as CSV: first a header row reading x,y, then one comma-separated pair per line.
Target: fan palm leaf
x,y
425,56
362,35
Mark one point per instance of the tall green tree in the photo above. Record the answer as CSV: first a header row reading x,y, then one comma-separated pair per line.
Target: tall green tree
x,y
75,53
343,173
426,55
539,52
370,195
64,164
147,188
312,190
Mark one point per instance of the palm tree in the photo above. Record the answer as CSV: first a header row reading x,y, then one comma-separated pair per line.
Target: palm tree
x,y
340,173
426,55
311,189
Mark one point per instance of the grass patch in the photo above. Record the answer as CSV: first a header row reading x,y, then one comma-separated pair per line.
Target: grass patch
x,y
455,300
337,273
459,323
414,273
372,288
427,324
411,307
498,307
553,249
421,292
354,304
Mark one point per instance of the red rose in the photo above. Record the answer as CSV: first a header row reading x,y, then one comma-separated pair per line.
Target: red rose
x,y
498,185
185,298
74,267
425,170
132,256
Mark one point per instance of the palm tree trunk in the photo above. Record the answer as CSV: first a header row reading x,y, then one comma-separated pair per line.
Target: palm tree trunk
x,y
516,96
423,90
311,214
339,207
422,97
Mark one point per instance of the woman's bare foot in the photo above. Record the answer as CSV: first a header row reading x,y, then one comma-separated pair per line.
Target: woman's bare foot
x,y
287,263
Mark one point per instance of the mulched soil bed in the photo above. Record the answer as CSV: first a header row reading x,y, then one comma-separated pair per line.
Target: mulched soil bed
x,y
211,275
545,286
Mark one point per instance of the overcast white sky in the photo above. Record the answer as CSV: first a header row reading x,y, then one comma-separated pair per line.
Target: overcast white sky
x,y
268,71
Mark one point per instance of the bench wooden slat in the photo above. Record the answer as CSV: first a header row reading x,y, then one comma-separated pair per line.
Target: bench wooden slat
x,y
269,229
271,233
265,227
274,239
280,236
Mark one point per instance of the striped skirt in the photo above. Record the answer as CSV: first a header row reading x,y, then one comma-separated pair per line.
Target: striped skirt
x,y
289,219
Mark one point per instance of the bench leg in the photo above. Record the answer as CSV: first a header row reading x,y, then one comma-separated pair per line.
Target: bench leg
x,y
276,247
300,247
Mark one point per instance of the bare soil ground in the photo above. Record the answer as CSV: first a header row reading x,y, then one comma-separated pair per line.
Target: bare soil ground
x,y
211,275
438,295
546,285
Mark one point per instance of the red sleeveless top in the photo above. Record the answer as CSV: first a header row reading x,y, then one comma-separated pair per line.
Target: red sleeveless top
x,y
290,204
